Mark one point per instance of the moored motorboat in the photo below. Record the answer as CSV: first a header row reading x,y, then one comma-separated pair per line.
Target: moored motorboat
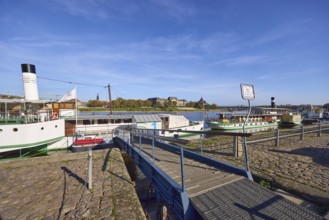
x,y
290,120
260,118
167,122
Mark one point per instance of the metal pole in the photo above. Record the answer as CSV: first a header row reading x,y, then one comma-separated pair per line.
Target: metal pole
x,y
319,132
277,140
302,133
235,146
182,168
153,145
6,116
201,144
140,143
110,98
246,161
90,168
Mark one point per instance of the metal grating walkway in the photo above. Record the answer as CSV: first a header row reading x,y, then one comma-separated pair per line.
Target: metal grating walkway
x,y
244,199
217,193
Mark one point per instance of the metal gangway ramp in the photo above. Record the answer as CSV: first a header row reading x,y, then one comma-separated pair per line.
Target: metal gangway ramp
x,y
191,183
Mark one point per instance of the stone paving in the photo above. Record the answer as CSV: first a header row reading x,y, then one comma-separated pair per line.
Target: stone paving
x,y
297,166
55,187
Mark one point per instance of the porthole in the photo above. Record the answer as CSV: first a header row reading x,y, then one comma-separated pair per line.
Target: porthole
x,y
0,130
55,126
15,129
42,128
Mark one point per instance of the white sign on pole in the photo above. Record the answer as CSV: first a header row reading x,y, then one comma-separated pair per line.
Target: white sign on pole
x,y
247,91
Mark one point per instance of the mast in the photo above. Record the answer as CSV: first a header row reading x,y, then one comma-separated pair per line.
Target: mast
x,y
110,98
76,109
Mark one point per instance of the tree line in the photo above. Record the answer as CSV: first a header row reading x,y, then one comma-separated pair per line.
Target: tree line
x,y
139,103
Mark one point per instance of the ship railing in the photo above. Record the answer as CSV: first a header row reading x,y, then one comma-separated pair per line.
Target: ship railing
x,y
24,117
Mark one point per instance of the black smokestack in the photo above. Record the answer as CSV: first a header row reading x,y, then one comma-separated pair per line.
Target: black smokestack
x,y
28,68
273,102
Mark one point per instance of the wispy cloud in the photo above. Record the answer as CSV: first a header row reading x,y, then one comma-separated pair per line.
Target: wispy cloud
x,y
293,75
241,60
118,10
280,32
99,9
174,8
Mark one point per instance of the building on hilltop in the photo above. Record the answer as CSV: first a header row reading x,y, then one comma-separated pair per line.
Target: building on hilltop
x,y
172,99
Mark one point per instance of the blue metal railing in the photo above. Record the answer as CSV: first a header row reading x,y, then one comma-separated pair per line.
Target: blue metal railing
x,y
167,189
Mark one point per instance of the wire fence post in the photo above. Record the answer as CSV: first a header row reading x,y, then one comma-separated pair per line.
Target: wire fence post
x,y
182,167
235,146
140,143
277,140
90,168
201,151
153,145
319,131
302,133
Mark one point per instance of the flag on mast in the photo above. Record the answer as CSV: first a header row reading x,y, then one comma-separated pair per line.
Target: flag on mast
x,y
69,96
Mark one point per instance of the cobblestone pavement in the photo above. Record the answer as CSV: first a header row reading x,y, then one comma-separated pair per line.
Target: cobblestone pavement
x,y
300,166
54,187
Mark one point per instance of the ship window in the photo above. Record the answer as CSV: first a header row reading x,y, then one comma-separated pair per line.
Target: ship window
x,y
0,130
55,126
42,128
69,105
15,129
86,122
102,121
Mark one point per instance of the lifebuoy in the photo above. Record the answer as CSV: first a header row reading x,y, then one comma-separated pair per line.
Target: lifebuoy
x,y
54,115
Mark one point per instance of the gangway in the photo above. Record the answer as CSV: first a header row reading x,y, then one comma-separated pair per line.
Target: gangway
x,y
195,185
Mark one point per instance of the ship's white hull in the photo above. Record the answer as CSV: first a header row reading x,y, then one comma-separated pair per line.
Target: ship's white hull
x,y
100,128
20,136
196,127
238,126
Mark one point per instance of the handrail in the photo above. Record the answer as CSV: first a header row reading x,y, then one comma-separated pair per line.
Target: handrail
x,y
174,140
202,132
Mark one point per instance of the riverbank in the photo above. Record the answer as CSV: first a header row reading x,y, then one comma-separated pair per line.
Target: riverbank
x,y
301,167
54,187
170,109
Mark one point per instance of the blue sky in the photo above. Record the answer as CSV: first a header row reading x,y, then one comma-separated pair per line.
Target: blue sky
x,y
161,48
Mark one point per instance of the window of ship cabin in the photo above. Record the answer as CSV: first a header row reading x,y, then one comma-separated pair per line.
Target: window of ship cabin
x,y
117,121
127,120
86,122
69,105
112,121
102,121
